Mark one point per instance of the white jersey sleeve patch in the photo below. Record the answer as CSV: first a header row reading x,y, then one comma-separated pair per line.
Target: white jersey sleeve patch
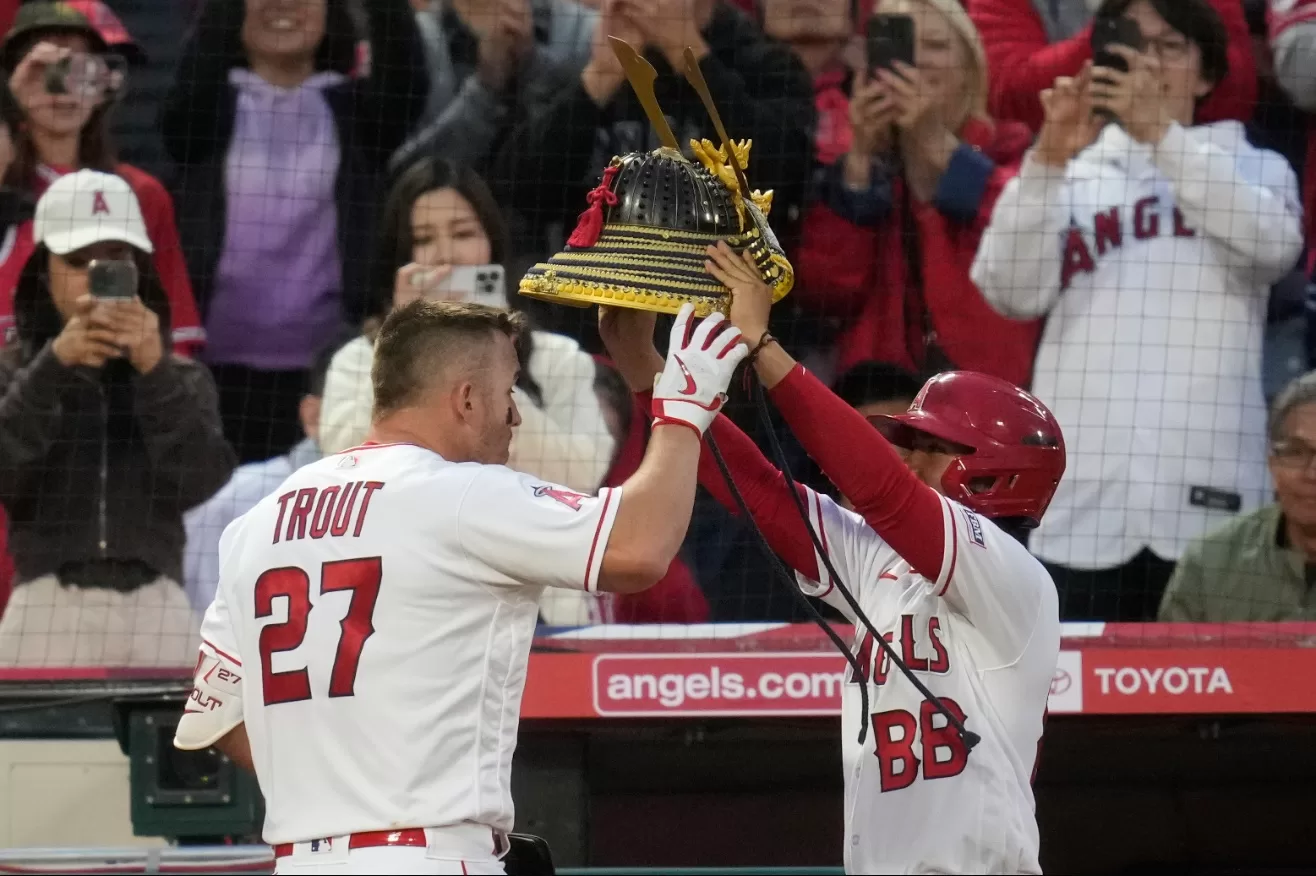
x,y
524,530
214,705
990,578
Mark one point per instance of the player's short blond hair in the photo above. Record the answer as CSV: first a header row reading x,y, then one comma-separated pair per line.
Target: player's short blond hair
x,y
428,338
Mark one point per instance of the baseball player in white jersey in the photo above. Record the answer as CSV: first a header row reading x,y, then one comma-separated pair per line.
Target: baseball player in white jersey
x,y
367,648
930,554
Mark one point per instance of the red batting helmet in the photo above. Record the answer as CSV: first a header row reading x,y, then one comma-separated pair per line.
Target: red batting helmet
x,y
1012,451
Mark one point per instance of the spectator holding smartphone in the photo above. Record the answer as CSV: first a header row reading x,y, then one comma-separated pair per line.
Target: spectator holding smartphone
x,y
441,218
922,173
105,440
1032,42
1149,246
55,63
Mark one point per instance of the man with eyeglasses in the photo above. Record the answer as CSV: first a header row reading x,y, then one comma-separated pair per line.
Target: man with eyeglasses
x,y
1148,242
1261,567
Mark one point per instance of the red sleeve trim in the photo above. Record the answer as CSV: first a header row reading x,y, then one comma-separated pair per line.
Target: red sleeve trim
x,y
954,545
594,545
227,656
822,536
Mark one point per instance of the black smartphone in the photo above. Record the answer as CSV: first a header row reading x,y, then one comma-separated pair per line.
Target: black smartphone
x,y
112,279
1114,31
890,39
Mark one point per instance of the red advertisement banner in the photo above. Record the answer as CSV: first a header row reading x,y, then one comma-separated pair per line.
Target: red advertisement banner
x,y
1103,680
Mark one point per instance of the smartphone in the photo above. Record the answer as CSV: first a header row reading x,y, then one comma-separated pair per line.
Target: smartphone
x,y
1114,31
474,284
890,39
112,279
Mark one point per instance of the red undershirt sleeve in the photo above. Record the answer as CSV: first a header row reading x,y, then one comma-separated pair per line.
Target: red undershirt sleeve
x,y
905,512
763,488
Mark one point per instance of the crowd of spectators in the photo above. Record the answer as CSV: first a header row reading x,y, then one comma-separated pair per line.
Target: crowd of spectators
x,y
301,167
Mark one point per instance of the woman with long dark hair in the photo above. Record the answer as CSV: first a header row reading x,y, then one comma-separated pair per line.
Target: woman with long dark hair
x,y
440,218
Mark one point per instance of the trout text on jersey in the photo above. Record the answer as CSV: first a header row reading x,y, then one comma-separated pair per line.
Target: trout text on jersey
x,y
320,511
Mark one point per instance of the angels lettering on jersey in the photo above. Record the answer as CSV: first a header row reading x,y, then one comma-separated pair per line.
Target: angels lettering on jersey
x,y
1083,245
983,627
907,744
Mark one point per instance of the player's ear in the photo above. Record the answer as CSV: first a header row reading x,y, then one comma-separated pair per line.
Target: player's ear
x,y
464,398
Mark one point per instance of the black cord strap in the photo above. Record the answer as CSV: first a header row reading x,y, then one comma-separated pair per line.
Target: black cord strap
x,y
758,348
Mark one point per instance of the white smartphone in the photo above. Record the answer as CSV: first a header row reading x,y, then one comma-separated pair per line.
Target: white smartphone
x,y
475,284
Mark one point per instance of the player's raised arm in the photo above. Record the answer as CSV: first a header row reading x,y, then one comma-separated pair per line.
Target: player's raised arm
x,y
986,574
623,540
864,467
628,336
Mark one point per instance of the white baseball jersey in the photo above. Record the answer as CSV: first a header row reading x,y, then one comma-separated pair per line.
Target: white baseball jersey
x,y
1152,267
382,602
984,637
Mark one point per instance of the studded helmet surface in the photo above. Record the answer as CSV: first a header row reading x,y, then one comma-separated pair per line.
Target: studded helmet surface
x,y
642,241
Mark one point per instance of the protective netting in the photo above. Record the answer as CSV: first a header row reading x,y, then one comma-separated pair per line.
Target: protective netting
x,y
297,168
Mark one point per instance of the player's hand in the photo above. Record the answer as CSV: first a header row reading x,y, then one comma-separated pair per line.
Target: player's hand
x,y
628,337
700,361
751,298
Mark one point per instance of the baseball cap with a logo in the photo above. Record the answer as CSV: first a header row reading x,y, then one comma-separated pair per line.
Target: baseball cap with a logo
x,y
88,207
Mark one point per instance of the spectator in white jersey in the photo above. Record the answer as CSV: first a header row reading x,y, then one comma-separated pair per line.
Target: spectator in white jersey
x,y
1149,245
381,722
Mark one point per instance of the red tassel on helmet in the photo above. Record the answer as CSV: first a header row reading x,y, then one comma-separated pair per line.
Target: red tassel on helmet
x,y
590,225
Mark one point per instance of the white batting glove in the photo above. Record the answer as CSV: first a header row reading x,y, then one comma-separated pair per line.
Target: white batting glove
x,y
692,387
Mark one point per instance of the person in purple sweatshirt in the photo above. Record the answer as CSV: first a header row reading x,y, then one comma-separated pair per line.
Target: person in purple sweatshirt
x,y
281,126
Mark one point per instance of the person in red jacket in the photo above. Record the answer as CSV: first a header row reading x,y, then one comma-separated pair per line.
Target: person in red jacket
x,y
907,204
63,133
1031,43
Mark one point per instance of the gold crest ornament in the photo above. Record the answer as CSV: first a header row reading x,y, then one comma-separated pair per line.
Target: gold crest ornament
x,y
642,240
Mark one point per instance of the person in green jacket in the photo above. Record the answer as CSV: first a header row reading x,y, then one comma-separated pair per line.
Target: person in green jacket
x,y
1261,566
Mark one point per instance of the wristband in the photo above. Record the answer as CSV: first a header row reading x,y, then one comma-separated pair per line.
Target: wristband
x,y
758,348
